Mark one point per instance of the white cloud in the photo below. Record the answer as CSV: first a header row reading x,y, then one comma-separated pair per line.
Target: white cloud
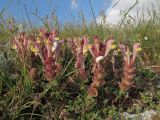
x,y
74,4
114,15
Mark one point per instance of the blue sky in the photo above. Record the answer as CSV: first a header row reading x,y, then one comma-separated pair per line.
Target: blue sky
x,y
66,10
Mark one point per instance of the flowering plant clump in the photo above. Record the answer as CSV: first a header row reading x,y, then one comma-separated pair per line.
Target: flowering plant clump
x,y
79,48
99,52
129,70
20,44
47,47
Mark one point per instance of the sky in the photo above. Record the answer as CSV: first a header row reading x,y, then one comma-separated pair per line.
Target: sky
x,y
69,10
66,10
115,14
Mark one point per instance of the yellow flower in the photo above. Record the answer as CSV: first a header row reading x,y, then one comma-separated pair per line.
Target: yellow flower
x,y
119,50
138,49
14,46
38,40
33,49
112,46
86,48
57,38
40,34
128,53
46,41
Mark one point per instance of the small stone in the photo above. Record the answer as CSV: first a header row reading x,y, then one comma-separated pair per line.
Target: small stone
x,y
147,115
